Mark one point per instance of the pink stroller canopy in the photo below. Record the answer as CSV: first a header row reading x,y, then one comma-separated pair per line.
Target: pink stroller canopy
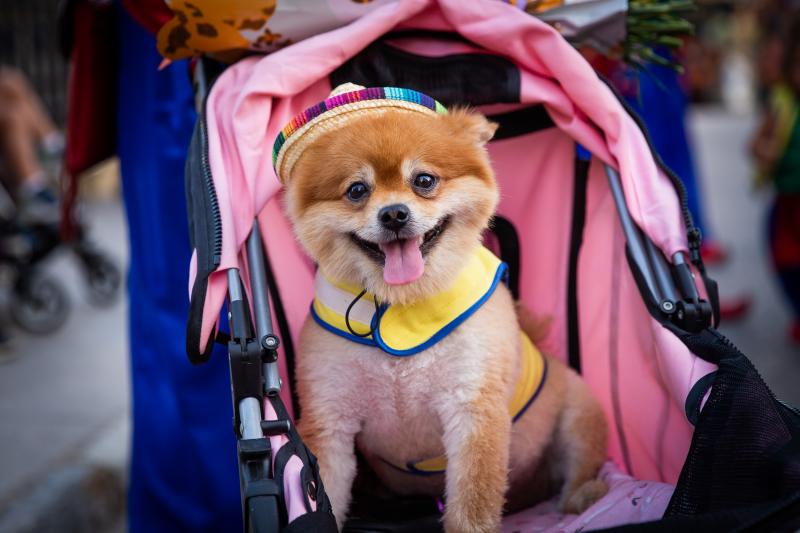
x,y
640,371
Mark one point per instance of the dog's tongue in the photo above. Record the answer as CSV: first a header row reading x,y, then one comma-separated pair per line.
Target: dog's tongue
x,y
403,261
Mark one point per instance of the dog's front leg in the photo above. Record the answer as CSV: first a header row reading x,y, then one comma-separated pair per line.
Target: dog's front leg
x,y
332,439
476,440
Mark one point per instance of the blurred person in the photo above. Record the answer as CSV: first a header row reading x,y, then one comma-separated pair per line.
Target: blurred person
x,y
776,149
26,131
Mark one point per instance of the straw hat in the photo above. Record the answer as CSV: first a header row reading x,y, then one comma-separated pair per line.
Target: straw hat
x,y
345,103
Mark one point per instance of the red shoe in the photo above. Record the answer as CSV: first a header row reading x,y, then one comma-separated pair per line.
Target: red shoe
x,y
734,309
713,253
794,332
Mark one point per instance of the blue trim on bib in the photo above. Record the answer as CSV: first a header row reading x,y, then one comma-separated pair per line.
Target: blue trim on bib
x,y
534,395
500,274
337,331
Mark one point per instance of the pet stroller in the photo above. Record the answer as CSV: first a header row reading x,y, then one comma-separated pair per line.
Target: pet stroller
x,y
596,234
39,303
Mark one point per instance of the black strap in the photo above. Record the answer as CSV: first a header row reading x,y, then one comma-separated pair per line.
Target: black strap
x,y
508,240
576,240
695,397
521,122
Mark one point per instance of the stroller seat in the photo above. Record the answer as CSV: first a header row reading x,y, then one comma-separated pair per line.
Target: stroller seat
x,y
595,231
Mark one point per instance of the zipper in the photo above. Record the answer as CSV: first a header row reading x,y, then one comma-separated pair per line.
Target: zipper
x,y
211,194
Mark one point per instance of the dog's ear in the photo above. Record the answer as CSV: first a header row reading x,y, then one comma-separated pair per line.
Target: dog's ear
x,y
463,121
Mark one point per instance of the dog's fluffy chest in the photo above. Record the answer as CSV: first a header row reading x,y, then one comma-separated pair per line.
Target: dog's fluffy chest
x,y
403,402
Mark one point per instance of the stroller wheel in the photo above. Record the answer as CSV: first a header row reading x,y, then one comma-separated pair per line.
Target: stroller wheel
x,y
40,305
103,278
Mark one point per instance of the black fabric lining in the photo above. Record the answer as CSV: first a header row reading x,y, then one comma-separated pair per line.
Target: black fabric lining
x,y
205,224
576,240
508,240
200,206
462,79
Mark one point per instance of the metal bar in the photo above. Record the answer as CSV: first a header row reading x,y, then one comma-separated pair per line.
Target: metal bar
x,y
679,260
234,285
201,85
263,315
634,239
666,285
250,419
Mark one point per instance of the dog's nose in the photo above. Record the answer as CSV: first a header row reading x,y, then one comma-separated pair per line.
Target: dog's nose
x,y
394,217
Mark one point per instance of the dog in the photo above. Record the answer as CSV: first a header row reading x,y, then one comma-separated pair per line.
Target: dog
x,y
391,201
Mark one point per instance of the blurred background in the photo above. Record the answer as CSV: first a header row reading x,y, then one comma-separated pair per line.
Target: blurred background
x,y
71,294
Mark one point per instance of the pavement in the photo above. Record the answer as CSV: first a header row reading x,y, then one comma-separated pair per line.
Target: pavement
x,y
64,398
737,216
64,402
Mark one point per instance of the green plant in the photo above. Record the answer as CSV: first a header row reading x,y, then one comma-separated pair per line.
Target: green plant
x,y
655,24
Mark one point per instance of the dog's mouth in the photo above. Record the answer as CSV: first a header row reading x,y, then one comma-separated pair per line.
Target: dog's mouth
x,y
402,258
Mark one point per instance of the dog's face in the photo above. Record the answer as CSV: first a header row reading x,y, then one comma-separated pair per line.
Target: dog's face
x,y
395,202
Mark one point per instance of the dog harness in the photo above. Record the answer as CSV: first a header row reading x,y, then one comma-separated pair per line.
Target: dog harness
x,y
350,312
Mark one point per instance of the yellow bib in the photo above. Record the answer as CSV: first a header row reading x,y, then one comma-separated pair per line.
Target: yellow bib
x,y
407,330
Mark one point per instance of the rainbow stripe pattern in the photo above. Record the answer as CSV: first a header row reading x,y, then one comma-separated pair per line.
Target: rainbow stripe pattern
x,y
353,97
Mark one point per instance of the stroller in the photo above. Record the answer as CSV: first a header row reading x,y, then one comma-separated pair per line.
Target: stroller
x,y
596,234
39,302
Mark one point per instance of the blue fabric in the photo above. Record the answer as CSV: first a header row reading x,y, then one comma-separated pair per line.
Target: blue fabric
x,y
661,103
184,473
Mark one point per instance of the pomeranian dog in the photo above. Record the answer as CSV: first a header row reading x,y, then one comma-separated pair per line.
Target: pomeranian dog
x,y
413,353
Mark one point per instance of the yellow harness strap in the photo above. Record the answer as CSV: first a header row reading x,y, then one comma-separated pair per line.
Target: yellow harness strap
x,y
531,378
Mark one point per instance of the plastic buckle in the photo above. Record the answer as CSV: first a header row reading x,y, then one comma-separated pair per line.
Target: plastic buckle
x,y
247,375
253,448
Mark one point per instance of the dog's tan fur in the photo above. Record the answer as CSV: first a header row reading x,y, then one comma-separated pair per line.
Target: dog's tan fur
x,y
453,397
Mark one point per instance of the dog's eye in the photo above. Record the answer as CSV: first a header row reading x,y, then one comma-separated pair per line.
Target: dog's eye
x,y
357,191
424,182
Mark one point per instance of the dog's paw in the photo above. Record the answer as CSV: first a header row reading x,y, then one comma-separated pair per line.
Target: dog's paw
x,y
577,501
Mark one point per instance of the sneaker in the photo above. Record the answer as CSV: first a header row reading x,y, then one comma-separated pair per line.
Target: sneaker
x,y
713,253
39,207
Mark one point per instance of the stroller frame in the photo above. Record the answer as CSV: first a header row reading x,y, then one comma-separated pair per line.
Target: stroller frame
x,y
704,492
253,365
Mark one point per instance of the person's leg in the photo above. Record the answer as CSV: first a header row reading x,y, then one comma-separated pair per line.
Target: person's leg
x,y
15,89
183,473
17,148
